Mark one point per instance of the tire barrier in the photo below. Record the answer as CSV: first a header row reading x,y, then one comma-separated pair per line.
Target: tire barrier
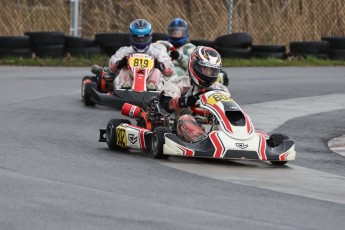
x,y
110,42
336,47
159,36
236,45
47,44
318,49
199,42
15,47
268,51
81,47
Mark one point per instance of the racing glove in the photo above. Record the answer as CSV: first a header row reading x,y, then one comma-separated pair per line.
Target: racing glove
x,y
174,54
159,65
121,63
184,102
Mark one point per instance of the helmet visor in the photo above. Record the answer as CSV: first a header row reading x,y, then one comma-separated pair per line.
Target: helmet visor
x,y
141,39
207,70
177,32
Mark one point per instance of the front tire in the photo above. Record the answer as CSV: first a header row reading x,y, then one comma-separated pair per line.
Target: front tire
x,y
275,140
111,132
88,93
158,141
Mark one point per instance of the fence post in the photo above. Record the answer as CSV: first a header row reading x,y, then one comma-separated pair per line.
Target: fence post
x,y
74,17
231,5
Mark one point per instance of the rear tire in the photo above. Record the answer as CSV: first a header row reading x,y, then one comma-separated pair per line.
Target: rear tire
x,y
111,132
158,141
275,140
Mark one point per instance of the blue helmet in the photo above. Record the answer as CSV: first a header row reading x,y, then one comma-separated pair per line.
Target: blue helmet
x,y
140,35
178,32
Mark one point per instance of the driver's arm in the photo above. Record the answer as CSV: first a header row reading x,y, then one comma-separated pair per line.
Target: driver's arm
x,y
120,53
165,101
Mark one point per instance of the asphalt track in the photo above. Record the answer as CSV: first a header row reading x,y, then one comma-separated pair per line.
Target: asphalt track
x,y
54,174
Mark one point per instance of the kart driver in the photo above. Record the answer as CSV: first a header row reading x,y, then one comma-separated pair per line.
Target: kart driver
x,y
140,39
178,36
178,94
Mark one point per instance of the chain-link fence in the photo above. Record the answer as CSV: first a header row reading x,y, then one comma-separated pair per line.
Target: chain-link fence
x,y
268,21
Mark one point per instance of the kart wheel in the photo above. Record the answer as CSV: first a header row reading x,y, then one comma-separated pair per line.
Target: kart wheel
x,y
88,79
111,136
158,141
88,93
275,140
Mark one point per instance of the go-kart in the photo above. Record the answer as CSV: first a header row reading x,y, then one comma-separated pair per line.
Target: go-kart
x,y
230,133
99,89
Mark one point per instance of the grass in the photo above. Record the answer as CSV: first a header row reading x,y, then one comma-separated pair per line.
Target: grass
x,y
103,60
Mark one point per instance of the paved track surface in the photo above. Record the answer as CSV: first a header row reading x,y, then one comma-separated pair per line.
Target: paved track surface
x,y
55,175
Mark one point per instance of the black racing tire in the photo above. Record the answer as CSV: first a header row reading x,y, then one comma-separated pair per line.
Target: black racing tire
x,y
111,136
337,54
202,43
158,141
275,140
111,50
87,52
77,42
46,38
159,37
15,52
14,42
305,55
49,51
277,55
238,40
268,48
311,47
112,39
335,42
88,93
234,53
92,78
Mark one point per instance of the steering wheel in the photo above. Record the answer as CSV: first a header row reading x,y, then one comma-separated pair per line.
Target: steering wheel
x,y
196,108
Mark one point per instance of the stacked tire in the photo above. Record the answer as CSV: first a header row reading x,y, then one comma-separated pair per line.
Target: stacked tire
x,y
318,49
47,44
159,37
111,42
202,42
15,46
269,51
336,47
236,45
81,47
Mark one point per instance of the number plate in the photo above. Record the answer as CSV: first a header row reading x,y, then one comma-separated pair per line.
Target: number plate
x,y
214,98
121,139
142,62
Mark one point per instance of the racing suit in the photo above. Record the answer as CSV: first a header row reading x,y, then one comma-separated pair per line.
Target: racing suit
x,y
179,86
181,63
126,76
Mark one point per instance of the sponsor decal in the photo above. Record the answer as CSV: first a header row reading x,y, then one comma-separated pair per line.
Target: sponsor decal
x,y
133,139
241,145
